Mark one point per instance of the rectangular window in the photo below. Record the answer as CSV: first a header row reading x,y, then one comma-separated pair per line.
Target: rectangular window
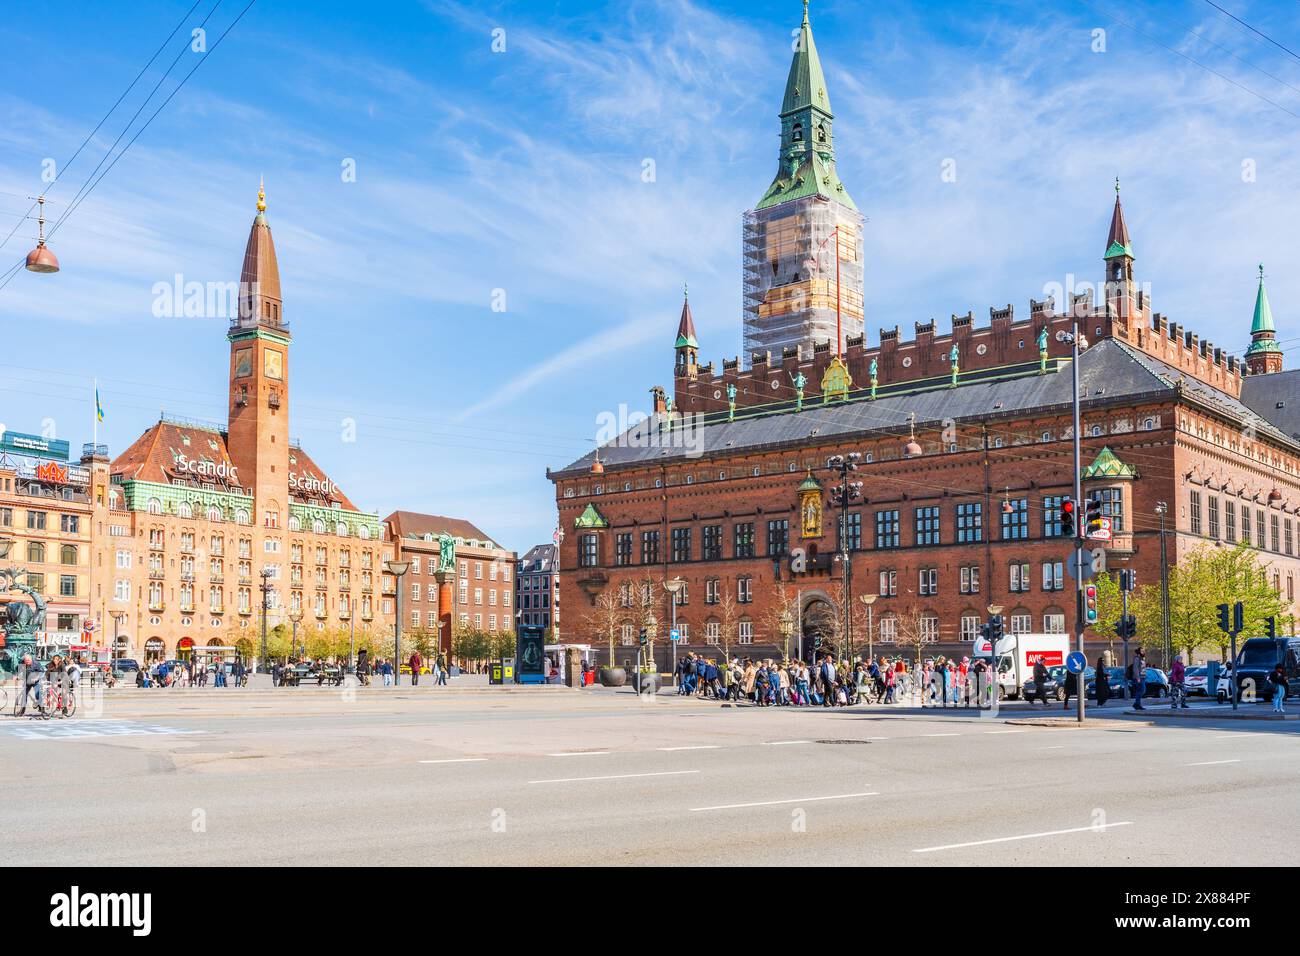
x,y
745,590
778,537
1245,524
745,632
1053,623
1021,623
1015,519
888,630
853,531
70,524
970,627
970,522
1213,511
887,529
35,520
888,583
1112,506
1288,540
589,551
1195,512
649,547
1052,516
928,581
970,579
1230,521
623,549
1053,575
1273,533
927,525
712,591
67,585
712,632
712,542
1259,530
1019,576
681,544
744,540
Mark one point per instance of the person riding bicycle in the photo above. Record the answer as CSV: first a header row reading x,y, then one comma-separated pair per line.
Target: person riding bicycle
x,y
1178,683
33,675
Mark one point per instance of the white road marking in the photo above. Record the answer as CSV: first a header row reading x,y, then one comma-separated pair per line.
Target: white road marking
x,y
578,753
90,727
940,735
457,760
696,747
1004,731
618,776
1054,747
772,803
783,743
1236,736
1024,836
1210,763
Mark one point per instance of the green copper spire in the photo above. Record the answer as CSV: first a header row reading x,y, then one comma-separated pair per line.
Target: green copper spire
x,y
806,167
1118,244
806,85
1262,330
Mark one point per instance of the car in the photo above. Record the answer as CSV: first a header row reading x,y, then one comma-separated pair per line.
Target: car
x,y
1054,686
1257,659
1196,680
125,665
1157,683
1114,680
406,669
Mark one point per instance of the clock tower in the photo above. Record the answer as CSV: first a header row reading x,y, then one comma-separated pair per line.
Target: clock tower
x,y
258,430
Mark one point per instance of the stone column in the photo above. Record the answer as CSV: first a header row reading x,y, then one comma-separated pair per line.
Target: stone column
x,y
446,606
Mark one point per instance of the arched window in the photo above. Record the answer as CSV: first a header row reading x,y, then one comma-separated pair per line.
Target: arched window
x,y
35,552
796,134
364,532
185,510
154,506
318,526
341,529
214,513
68,554
295,523
821,133
242,517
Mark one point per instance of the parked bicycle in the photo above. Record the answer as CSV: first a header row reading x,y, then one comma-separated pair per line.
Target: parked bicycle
x,y
59,699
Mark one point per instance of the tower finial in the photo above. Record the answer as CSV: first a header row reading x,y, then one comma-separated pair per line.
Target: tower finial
x,y
1261,273
1116,185
261,194
805,11
686,291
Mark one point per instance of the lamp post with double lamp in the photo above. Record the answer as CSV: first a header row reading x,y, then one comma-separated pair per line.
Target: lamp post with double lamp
x,y
295,618
118,617
868,600
786,625
673,587
265,575
397,569
842,495
651,630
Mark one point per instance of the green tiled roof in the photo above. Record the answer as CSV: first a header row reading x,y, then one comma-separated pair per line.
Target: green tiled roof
x,y
1106,465
591,518
815,176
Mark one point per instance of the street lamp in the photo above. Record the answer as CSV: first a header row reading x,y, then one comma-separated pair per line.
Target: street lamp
x,y
1166,636
651,630
842,495
397,569
265,575
673,587
118,617
786,624
295,617
868,600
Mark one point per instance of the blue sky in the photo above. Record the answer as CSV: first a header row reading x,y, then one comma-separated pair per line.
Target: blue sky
x,y
522,171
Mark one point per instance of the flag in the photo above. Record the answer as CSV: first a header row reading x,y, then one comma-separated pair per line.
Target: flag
x,y
99,409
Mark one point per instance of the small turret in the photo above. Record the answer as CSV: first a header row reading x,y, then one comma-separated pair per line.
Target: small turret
x,y
1264,356
687,347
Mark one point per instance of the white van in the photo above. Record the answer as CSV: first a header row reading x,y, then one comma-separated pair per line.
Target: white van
x,y
1017,654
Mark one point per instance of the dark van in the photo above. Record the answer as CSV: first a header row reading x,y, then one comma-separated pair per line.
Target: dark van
x,y
1257,658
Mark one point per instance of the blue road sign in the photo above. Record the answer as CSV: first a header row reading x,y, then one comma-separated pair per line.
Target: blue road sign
x,y
675,635
1076,662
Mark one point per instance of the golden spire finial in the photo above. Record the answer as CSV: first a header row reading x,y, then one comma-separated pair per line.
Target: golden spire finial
x,y
261,194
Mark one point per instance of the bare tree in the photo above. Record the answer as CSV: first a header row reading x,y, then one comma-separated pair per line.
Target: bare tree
x,y
729,612
607,616
916,627
824,620
785,604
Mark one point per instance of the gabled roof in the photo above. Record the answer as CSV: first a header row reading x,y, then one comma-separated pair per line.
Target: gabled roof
x,y
413,524
1109,371
1276,398
302,463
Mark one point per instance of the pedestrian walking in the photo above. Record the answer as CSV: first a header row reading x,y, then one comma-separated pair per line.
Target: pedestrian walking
x,y
1178,683
1102,682
1040,682
1138,675
1071,685
416,662
1280,688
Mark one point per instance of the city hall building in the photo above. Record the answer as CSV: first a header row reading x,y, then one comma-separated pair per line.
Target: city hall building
x,y
196,524
966,443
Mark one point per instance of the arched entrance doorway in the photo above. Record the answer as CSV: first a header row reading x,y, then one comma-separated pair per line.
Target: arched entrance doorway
x,y
821,626
184,648
153,650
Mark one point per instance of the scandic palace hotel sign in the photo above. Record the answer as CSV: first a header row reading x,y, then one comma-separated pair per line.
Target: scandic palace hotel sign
x,y
225,470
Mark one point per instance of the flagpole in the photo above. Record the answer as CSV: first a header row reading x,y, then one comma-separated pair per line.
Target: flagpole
x,y
95,412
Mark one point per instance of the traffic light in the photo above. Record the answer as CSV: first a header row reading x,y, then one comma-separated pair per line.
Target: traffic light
x,y
1128,580
1092,516
985,632
1126,627
1270,627
1069,524
1090,603
1238,617
644,640
995,629
1225,618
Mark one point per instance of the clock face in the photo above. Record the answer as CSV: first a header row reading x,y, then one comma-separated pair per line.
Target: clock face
x,y
243,363
273,364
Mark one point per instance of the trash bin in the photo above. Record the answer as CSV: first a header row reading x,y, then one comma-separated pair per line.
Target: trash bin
x,y
1212,671
495,675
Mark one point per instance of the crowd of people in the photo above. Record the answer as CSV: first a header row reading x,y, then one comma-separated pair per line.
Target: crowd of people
x,y
192,673
828,682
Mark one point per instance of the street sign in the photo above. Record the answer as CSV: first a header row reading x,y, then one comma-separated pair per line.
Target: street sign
x,y
1076,662
1101,533
674,635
